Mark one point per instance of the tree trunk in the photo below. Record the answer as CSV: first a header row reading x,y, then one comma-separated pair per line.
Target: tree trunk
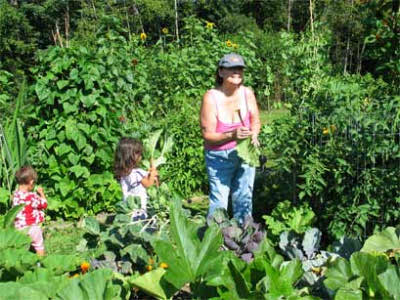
x,y
311,19
289,14
176,21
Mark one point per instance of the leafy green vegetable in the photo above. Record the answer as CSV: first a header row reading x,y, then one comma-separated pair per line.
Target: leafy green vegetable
x,y
388,239
151,150
189,257
150,283
248,152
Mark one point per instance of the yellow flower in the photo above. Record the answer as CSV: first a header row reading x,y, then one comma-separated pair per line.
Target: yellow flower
x,y
143,36
210,25
234,45
325,131
149,268
164,30
151,261
333,128
164,265
228,43
85,266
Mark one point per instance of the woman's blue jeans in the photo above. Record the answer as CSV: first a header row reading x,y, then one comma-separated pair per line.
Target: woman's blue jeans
x,y
228,174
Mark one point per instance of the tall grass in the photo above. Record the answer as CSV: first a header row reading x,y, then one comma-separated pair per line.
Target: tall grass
x,y
13,148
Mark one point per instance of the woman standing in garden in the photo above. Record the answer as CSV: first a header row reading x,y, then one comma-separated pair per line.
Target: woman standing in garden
x,y
229,113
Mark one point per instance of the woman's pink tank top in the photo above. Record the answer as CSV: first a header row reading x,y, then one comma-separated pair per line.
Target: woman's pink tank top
x,y
225,127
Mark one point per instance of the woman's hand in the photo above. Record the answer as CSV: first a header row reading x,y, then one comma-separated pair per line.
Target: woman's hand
x,y
242,133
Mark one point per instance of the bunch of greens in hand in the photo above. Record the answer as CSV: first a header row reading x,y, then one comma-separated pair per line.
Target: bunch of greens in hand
x,y
154,156
247,150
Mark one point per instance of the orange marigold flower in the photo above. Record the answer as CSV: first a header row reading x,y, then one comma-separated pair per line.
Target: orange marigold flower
x,y
164,265
228,43
164,30
149,267
85,266
143,36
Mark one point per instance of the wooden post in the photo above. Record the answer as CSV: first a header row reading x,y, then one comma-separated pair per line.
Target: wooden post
x,y
176,21
289,14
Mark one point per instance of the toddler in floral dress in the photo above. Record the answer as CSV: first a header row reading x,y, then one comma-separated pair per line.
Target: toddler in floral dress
x,y
30,217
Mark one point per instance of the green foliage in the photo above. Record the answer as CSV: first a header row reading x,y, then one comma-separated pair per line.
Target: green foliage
x,y
266,277
345,132
13,151
123,245
188,257
8,219
95,285
17,37
150,283
74,86
150,149
286,217
387,240
365,276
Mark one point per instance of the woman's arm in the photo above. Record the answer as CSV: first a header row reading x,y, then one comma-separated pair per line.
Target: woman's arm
x,y
255,123
208,123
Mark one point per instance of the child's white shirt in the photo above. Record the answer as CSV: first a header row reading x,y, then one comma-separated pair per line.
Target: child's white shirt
x,y
132,186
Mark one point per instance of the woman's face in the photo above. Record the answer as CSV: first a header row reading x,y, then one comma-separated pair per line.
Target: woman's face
x,y
232,75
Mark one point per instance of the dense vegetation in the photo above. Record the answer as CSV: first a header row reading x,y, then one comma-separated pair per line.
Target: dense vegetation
x,y
75,76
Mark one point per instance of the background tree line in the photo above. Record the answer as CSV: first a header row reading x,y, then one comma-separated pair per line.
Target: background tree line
x,y
365,33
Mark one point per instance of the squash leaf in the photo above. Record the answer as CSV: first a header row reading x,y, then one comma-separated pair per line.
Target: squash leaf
x,y
248,152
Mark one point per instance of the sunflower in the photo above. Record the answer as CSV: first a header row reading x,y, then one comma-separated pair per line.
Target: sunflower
x,y
165,30
228,43
210,25
143,36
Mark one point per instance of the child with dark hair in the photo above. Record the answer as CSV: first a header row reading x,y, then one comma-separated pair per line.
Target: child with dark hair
x,y
32,214
134,180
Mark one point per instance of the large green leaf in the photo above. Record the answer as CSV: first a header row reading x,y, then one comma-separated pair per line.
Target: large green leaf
x,y
279,282
18,291
151,142
370,266
150,283
17,261
12,238
388,239
8,221
59,263
390,280
44,281
248,152
188,257
95,285
345,294
338,274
